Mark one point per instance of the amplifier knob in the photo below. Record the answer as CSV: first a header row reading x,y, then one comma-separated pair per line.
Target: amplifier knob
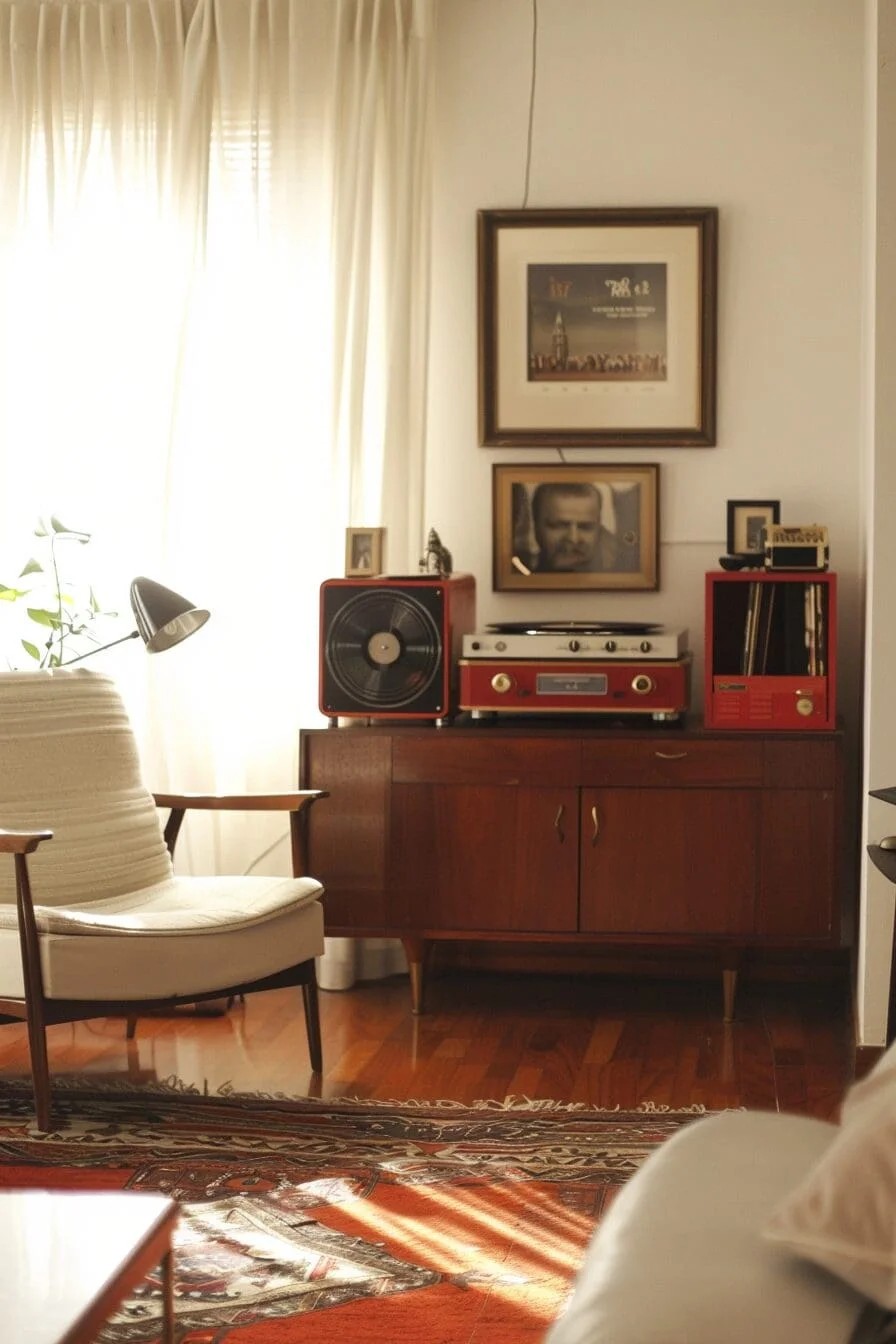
x,y
573,646
642,684
502,683
804,706
500,645
610,646
645,646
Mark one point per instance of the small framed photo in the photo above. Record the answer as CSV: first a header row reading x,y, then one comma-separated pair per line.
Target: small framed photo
x,y
363,551
566,527
747,521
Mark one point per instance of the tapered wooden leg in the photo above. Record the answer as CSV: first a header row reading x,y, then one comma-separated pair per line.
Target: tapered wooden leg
x,y
415,951
131,1028
40,1068
729,989
168,1298
312,1021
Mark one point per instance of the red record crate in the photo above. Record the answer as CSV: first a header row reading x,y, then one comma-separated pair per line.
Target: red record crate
x,y
771,649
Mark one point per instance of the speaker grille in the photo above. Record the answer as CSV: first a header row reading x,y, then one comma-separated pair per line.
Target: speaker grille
x,y
383,649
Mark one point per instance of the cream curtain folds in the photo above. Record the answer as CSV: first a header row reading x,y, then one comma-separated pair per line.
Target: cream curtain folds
x,y
214,225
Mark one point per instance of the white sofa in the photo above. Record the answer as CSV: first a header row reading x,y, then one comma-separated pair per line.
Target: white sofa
x,y
752,1227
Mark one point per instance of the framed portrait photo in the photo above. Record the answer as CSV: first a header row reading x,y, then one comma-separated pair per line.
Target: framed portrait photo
x,y
597,328
566,528
363,551
747,521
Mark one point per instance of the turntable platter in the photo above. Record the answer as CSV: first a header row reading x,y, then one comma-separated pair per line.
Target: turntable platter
x,y
573,628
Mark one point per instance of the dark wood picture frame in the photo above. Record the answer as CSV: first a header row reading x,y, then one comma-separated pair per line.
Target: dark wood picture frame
x,y
746,519
569,528
597,328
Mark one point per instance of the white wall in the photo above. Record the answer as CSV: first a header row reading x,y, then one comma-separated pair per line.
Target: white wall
x,y
755,108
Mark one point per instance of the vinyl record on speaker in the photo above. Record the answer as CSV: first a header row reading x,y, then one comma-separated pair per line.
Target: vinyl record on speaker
x,y
383,648
387,645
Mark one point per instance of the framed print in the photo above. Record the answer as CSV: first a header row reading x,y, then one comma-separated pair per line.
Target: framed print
x,y
363,551
747,521
568,527
597,328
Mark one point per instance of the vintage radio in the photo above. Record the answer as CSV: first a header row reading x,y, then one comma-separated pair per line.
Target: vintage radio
x,y
802,546
492,686
389,646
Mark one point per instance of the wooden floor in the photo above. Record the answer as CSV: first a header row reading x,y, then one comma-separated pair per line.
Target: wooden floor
x,y
603,1041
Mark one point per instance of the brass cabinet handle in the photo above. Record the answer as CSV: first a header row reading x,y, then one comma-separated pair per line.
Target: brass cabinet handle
x,y
595,825
670,755
558,823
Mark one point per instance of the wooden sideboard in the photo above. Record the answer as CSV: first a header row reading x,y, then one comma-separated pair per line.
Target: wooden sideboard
x,y
652,837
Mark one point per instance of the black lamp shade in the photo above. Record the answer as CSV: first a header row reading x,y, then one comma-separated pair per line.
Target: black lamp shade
x,y
164,618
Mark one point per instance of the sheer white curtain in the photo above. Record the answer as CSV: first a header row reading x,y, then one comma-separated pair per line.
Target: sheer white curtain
x,y
213,279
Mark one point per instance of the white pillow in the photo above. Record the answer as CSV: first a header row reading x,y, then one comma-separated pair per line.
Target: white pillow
x,y
679,1258
876,1089
842,1215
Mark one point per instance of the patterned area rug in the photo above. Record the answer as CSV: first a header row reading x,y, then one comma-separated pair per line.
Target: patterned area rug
x,y
345,1221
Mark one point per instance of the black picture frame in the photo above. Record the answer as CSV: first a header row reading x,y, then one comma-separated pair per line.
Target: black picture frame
x,y
746,520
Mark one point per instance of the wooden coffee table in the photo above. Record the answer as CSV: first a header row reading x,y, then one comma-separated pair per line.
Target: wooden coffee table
x,y
69,1258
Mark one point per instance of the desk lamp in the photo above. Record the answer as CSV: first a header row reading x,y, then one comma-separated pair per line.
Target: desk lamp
x,y
164,618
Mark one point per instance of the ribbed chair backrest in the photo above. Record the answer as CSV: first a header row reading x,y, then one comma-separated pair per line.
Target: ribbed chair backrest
x,y
69,764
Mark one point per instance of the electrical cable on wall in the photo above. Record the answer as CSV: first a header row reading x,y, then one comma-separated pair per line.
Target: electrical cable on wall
x,y
529,130
531,102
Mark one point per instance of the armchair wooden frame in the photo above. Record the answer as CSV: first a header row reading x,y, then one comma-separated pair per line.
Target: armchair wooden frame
x,y
40,1012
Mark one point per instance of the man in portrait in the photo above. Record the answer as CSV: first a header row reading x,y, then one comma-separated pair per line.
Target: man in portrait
x,y
571,535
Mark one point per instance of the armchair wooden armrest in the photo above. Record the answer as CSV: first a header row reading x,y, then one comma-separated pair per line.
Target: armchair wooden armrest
x,y
241,802
296,804
22,842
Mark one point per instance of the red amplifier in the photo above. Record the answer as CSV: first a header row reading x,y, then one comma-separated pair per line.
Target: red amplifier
x,y
540,686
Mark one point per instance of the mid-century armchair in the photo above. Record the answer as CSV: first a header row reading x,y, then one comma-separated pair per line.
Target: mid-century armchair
x,y
93,920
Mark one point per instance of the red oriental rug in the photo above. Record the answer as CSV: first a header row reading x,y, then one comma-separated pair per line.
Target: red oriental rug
x,y
345,1221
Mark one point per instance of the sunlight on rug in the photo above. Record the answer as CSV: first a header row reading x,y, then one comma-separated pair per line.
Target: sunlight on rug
x,y
345,1220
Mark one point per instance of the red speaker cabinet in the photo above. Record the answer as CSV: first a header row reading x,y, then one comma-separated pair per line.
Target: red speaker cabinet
x,y
389,647
771,649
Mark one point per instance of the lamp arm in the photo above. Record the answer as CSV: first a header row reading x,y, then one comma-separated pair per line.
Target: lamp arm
x,y
135,634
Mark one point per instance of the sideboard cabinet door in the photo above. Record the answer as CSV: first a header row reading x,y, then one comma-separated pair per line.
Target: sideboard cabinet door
x,y
490,858
669,861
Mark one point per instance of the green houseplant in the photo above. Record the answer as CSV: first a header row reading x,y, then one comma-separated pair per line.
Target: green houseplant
x,y
60,610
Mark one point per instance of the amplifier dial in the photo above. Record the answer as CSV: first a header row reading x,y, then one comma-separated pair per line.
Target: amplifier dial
x,y
645,646
642,684
502,683
610,645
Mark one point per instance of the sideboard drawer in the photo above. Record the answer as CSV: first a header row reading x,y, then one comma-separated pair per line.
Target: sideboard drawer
x,y
464,758
670,761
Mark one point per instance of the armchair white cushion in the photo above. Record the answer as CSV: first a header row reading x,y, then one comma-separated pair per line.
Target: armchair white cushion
x,y
111,920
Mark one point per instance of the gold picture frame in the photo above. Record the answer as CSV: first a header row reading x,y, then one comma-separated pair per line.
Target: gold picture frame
x,y
568,528
364,548
597,328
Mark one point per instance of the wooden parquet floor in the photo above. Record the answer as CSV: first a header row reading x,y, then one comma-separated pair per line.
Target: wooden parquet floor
x,y
603,1041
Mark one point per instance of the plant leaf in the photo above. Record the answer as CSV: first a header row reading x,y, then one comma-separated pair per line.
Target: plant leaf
x,y
61,530
41,617
10,594
33,567
31,649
